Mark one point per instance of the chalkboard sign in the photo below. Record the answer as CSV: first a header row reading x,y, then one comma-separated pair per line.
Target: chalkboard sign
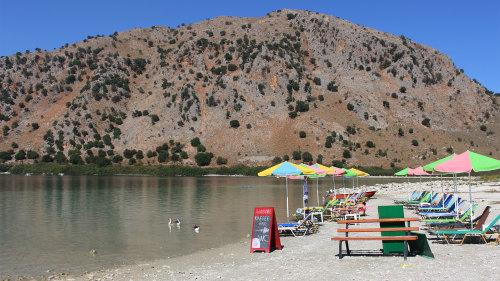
x,y
264,230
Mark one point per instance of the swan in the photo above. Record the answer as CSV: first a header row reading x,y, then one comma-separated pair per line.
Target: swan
x,y
175,222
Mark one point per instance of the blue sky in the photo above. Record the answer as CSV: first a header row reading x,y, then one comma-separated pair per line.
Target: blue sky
x,y
467,31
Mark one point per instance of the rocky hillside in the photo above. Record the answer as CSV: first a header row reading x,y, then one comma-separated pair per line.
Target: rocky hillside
x,y
250,90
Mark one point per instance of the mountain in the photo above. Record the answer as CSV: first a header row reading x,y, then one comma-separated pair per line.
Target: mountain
x,y
250,90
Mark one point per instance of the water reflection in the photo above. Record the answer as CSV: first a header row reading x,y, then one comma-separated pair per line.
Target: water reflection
x,y
52,222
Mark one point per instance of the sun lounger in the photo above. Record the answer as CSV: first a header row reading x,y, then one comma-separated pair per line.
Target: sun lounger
x,y
451,235
298,229
451,213
436,222
478,223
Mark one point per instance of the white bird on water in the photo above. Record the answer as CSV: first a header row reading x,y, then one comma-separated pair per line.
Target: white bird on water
x,y
196,228
175,222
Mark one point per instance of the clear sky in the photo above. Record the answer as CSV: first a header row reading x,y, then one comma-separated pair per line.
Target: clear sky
x,y
467,31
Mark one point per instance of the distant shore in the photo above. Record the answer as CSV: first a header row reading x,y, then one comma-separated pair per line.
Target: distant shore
x,y
156,170
314,256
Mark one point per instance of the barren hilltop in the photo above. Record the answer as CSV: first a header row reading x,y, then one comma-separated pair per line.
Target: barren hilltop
x,y
244,90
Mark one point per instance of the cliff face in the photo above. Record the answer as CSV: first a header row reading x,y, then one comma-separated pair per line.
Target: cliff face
x,y
247,87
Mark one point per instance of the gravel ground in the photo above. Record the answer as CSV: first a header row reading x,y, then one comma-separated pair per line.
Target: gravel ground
x,y
315,256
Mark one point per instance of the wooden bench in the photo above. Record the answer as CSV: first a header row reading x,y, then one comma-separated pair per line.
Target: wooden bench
x,y
347,230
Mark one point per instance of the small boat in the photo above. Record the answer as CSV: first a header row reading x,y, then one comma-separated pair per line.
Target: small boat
x,y
343,195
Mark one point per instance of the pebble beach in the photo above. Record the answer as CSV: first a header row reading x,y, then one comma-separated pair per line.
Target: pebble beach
x,y
315,256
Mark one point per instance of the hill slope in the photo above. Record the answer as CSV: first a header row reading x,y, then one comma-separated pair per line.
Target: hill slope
x,y
246,87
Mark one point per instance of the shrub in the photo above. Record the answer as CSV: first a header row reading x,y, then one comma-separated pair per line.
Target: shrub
x,y
426,122
317,81
370,144
449,150
234,123
401,132
154,118
307,157
276,160
150,154
332,87
232,67
319,159
32,154
221,161
350,107
402,90
203,159
414,142
162,156
346,154
302,134
195,142
386,104
296,155
483,128
35,126
47,158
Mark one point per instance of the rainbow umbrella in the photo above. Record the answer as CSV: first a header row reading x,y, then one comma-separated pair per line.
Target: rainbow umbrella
x,y
465,163
286,169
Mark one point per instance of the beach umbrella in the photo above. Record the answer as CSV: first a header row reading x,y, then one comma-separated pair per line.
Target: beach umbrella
x,y
467,162
403,172
430,168
359,174
286,169
319,174
332,171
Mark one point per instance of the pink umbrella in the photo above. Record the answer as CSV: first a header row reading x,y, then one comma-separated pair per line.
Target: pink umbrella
x,y
418,172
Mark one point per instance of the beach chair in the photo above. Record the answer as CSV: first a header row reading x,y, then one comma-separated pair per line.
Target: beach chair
x,y
298,229
478,223
445,205
441,203
423,198
448,208
452,236
454,222
413,196
451,212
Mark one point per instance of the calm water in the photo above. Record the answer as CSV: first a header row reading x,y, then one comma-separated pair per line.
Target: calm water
x,y
52,222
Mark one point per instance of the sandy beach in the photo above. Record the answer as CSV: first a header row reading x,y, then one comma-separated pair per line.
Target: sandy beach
x,y
315,256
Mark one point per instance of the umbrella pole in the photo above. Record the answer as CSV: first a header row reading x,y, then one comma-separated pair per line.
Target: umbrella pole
x,y
317,189
456,193
287,212
471,211
442,187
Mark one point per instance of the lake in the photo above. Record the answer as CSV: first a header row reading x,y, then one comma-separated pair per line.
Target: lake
x,y
49,224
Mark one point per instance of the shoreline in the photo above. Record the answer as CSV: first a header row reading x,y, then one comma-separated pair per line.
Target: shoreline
x,y
314,256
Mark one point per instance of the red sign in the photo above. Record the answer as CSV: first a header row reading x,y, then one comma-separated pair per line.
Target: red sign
x,y
265,233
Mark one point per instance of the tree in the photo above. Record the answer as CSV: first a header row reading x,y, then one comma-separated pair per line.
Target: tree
x,y
302,134
414,142
350,107
35,126
221,161
203,159
139,154
307,157
106,139
319,159
296,155
370,144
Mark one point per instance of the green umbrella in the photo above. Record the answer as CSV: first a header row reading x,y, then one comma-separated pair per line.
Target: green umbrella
x,y
430,167
403,172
